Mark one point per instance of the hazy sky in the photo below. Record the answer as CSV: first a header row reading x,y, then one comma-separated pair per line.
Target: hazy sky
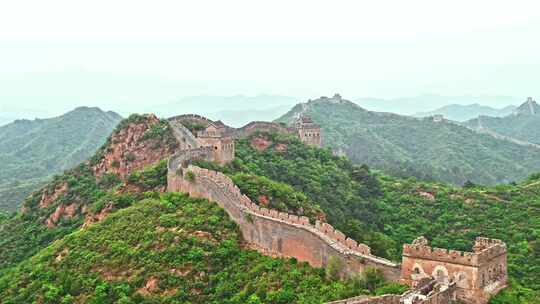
x,y
55,55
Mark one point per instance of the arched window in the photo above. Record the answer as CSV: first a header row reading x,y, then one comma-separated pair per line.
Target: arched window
x,y
416,270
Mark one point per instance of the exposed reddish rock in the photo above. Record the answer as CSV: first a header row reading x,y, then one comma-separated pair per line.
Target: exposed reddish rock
x,y
128,151
204,235
281,148
428,196
150,286
94,218
61,255
48,198
62,211
263,200
260,143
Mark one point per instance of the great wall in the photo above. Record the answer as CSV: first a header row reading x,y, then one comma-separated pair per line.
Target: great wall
x,y
436,276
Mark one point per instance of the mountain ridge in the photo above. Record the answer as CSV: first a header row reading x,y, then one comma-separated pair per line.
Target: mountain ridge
x,y
522,125
421,147
33,150
462,113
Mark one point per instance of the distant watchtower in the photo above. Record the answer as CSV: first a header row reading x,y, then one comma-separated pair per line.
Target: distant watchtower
x,y
217,136
308,131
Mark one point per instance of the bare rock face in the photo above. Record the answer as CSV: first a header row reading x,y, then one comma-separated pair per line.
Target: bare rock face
x,y
62,211
260,143
47,198
131,150
96,217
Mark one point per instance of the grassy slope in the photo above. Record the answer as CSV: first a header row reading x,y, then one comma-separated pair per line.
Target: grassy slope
x,y
187,247
32,151
404,146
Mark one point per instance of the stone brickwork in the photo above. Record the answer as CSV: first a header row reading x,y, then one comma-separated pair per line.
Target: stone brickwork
x,y
308,131
277,233
430,292
478,275
385,299
262,126
215,136
192,119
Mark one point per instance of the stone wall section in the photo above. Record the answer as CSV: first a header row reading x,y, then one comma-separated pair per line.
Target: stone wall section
x,y
278,233
261,126
385,299
185,138
192,118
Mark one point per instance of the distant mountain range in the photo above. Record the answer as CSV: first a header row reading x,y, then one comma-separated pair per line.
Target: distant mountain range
x,y
465,112
423,103
421,147
523,124
234,110
33,150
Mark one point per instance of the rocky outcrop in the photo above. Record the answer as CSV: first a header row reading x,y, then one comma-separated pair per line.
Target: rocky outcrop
x,y
48,197
131,149
96,217
63,211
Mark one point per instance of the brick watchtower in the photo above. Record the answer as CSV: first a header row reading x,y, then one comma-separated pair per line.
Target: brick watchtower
x,y
308,131
217,136
478,275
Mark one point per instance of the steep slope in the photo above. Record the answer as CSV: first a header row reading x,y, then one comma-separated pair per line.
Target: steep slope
x,y
32,151
125,167
169,250
523,124
386,212
466,112
406,146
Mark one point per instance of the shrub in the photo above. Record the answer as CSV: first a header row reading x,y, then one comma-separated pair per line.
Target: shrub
x,y
334,268
190,176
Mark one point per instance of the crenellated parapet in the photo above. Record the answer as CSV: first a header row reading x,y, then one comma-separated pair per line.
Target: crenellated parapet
x,y
192,118
478,275
484,251
262,126
440,254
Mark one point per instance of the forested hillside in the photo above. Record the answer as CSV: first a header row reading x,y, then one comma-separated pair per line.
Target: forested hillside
x,y
169,250
32,151
523,125
458,112
387,212
131,162
140,246
405,146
